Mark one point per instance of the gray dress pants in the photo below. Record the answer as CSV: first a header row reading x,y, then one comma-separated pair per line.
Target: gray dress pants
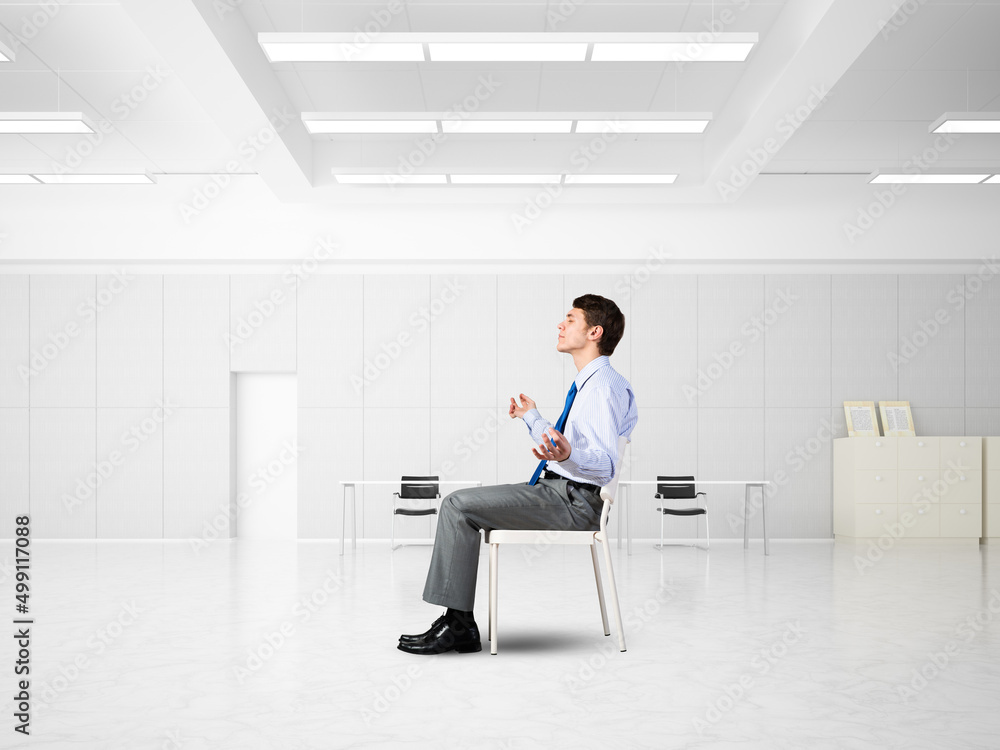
x,y
549,504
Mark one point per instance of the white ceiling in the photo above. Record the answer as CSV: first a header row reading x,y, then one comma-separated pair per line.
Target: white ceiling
x,y
886,84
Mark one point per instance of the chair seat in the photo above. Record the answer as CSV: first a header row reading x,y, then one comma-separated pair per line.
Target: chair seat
x,y
415,512
683,511
539,536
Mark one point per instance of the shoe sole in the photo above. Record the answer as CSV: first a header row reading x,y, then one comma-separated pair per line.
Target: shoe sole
x,y
468,648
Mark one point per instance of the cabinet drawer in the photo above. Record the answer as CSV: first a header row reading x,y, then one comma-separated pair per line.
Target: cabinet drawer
x,y
871,520
919,452
968,488
874,453
961,520
964,453
876,486
920,519
993,519
993,487
912,484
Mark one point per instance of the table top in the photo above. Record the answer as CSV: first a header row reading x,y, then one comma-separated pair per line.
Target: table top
x,y
697,481
410,481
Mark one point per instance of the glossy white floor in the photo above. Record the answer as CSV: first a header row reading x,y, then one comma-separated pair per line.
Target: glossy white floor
x,y
152,645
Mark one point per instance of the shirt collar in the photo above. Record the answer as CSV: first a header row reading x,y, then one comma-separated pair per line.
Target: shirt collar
x,y
591,367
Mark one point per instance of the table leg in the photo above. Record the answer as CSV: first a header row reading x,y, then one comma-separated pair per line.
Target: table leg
x,y
354,514
628,525
343,520
746,517
763,518
621,514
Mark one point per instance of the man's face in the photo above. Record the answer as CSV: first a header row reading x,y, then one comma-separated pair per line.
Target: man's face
x,y
573,331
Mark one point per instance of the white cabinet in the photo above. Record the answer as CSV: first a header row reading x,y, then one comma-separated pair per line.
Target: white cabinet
x,y
912,487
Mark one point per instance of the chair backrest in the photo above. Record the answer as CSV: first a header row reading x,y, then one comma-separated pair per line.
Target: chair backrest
x,y
421,490
675,491
610,490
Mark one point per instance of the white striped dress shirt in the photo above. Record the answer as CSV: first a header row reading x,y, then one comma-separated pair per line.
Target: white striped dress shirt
x,y
603,408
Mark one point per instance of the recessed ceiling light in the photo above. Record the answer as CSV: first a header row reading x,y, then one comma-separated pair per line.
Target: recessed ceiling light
x,y
967,122
928,179
96,179
31,123
690,51
305,51
642,126
318,124
17,179
507,126
507,51
505,179
620,179
391,179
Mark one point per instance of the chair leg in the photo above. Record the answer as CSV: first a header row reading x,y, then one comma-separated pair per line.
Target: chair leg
x,y
708,534
494,560
662,514
614,595
600,590
392,529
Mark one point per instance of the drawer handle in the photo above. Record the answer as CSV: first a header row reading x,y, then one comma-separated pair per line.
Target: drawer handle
x,y
878,511
878,443
962,443
878,479
962,511
920,478
920,444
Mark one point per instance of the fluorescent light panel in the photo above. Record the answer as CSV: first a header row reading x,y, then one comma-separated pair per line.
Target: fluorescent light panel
x,y
343,52
508,51
32,123
95,179
505,179
620,179
967,122
391,179
692,51
17,179
994,180
928,179
507,126
642,126
321,126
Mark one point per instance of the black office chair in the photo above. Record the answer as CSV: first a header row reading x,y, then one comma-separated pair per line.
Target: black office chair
x,y
422,488
681,492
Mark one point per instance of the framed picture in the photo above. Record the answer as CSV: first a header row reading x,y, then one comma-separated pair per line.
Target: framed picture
x,y
861,419
897,421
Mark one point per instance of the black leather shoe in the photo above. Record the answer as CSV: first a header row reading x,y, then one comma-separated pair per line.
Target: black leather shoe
x,y
450,635
422,636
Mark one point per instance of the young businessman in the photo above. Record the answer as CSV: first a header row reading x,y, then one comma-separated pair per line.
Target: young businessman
x,y
565,490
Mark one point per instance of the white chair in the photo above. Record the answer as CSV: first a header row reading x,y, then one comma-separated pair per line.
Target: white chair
x,y
496,537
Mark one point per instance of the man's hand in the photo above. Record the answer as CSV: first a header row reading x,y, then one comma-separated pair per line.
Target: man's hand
x,y
558,452
519,411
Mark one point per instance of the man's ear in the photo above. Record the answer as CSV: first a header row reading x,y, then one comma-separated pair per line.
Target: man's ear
x,y
596,333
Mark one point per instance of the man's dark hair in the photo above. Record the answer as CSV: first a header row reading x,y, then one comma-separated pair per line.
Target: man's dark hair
x,y
600,311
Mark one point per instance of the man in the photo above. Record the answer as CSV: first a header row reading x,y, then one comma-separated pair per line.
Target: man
x,y
577,458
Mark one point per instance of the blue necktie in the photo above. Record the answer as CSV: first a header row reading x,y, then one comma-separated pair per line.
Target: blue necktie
x,y
559,428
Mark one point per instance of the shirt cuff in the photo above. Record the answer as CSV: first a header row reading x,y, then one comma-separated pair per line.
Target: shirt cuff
x,y
530,417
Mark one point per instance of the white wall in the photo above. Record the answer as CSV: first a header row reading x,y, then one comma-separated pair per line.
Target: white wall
x,y
436,403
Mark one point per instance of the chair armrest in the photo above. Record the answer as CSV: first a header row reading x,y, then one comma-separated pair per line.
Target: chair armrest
x,y
700,493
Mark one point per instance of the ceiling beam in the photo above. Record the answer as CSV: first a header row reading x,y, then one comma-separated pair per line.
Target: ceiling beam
x,y
809,48
218,58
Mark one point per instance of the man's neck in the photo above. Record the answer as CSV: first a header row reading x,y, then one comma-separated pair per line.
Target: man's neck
x,y
583,358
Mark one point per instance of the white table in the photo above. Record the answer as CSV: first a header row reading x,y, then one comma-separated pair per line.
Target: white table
x,y
353,483
746,505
